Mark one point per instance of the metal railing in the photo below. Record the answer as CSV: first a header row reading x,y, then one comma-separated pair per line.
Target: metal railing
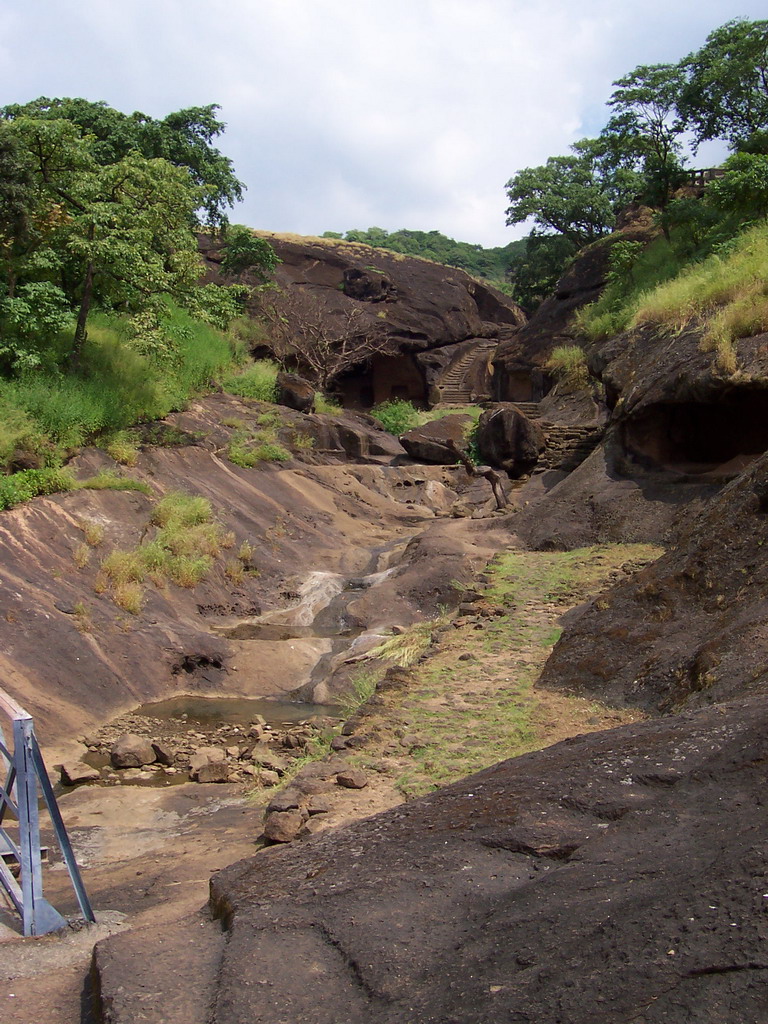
x,y
22,764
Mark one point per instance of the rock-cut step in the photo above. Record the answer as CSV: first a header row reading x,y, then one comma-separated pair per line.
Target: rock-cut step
x,y
567,446
136,978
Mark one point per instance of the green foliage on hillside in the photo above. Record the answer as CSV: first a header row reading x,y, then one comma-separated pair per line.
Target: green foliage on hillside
x,y
103,321
717,92
726,293
492,264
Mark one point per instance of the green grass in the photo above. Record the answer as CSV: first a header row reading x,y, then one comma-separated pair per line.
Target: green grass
x,y
568,363
116,386
726,293
183,550
615,309
258,381
32,483
396,416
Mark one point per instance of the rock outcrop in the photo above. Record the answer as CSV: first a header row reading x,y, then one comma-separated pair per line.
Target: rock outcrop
x,y
611,878
430,442
689,629
519,361
508,439
418,309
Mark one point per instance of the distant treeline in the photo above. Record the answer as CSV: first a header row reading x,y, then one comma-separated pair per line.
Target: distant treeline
x,y
492,264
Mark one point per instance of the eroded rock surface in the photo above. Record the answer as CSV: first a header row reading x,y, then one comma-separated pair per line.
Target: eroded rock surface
x,y
612,878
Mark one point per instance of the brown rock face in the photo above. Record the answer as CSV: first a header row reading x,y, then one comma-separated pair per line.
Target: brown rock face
x,y
429,443
508,439
282,826
412,305
689,629
612,878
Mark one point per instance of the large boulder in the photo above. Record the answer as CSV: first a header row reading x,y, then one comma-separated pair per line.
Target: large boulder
x,y
430,442
508,439
132,751
295,392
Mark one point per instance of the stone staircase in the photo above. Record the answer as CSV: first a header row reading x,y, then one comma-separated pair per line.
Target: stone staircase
x,y
453,387
529,409
567,446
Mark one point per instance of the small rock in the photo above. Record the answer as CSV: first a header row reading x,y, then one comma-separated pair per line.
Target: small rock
x,y
163,753
466,656
318,805
288,800
215,772
357,741
352,778
233,751
73,773
203,756
338,743
282,826
132,751
267,777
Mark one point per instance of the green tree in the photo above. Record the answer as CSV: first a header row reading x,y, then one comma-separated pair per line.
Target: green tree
x,y
743,188
576,196
536,270
726,90
646,126
119,231
184,139
246,251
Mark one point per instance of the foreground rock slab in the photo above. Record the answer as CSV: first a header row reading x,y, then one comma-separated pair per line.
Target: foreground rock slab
x,y
615,877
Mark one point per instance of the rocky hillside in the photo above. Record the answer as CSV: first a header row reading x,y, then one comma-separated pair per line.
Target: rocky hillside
x,y
419,311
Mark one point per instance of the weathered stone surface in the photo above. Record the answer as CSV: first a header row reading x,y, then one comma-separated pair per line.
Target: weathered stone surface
x,y
206,755
295,392
288,800
267,777
282,826
518,364
352,778
508,439
73,773
700,609
164,754
264,756
217,771
504,880
429,443
132,751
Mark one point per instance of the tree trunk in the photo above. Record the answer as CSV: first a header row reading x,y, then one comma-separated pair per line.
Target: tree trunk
x,y
82,317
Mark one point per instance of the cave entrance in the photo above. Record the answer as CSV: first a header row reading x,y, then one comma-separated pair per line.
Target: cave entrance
x,y
718,438
384,379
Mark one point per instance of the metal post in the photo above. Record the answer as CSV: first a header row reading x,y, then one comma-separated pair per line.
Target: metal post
x,y
25,770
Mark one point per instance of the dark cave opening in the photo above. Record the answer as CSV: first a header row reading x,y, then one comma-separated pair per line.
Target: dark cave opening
x,y
701,437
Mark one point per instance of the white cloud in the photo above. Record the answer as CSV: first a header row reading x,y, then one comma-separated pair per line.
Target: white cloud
x,y
401,113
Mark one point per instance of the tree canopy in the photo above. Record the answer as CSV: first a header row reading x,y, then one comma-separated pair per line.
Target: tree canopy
x,y
725,92
718,92
99,208
183,138
492,264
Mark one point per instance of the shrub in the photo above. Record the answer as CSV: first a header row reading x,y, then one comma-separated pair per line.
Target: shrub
x,y
31,483
568,364
326,405
259,381
396,416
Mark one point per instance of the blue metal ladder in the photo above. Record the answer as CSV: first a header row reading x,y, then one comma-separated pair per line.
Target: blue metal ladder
x,y
25,770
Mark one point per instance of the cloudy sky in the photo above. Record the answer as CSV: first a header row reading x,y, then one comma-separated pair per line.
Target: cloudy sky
x,y
350,113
